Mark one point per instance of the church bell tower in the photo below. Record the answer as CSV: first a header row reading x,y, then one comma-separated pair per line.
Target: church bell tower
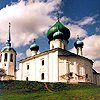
x,y
8,58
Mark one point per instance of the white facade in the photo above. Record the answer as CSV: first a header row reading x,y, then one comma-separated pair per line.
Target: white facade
x,y
40,65
53,66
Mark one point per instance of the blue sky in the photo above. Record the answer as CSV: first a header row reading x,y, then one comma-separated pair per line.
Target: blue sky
x,y
32,20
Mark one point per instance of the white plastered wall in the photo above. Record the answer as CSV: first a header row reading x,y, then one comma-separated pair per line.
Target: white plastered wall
x,y
76,65
50,68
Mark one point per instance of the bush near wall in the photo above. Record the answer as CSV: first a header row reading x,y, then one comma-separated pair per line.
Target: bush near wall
x,y
33,86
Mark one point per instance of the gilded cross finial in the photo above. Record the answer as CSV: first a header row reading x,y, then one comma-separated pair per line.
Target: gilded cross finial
x,y
34,40
58,16
9,25
77,36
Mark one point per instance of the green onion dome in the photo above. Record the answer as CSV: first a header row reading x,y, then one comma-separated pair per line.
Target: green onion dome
x,y
58,35
34,47
58,26
78,43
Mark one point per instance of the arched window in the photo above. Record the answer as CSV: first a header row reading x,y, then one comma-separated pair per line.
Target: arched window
x,y
42,76
6,56
52,46
42,62
27,67
86,75
26,78
11,57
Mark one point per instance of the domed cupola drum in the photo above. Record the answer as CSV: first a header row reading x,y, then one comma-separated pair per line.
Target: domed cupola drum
x,y
79,45
34,48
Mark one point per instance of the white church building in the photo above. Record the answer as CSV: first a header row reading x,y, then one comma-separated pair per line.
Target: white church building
x,y
54,65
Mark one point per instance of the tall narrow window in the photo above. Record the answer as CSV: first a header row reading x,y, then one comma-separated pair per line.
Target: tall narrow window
x,y
0,57
5,59
26,78
42,62
42,76
64,47
27,67
11,57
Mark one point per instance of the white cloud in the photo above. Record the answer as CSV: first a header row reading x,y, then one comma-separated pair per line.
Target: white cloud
x,y
97,29
20,55
76,30
28,53
96,66
86,21
91,48
28,20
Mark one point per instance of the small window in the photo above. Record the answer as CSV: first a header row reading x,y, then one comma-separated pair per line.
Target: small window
x,y
27,67
86,75
42,76
52,46
64,47
71,74
11,57
42,62
26,78
5,59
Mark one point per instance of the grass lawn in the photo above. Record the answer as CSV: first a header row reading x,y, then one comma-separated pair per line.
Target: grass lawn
x,y
73,92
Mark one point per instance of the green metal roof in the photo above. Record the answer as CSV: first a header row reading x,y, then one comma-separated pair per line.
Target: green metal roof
x,y
7,48
58,26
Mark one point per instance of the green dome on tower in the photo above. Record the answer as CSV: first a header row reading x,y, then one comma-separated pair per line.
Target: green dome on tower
x,y
7,48
58,26
78,43
34,47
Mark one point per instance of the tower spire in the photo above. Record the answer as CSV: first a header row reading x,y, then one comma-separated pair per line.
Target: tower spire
x,y
8,43
9,37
